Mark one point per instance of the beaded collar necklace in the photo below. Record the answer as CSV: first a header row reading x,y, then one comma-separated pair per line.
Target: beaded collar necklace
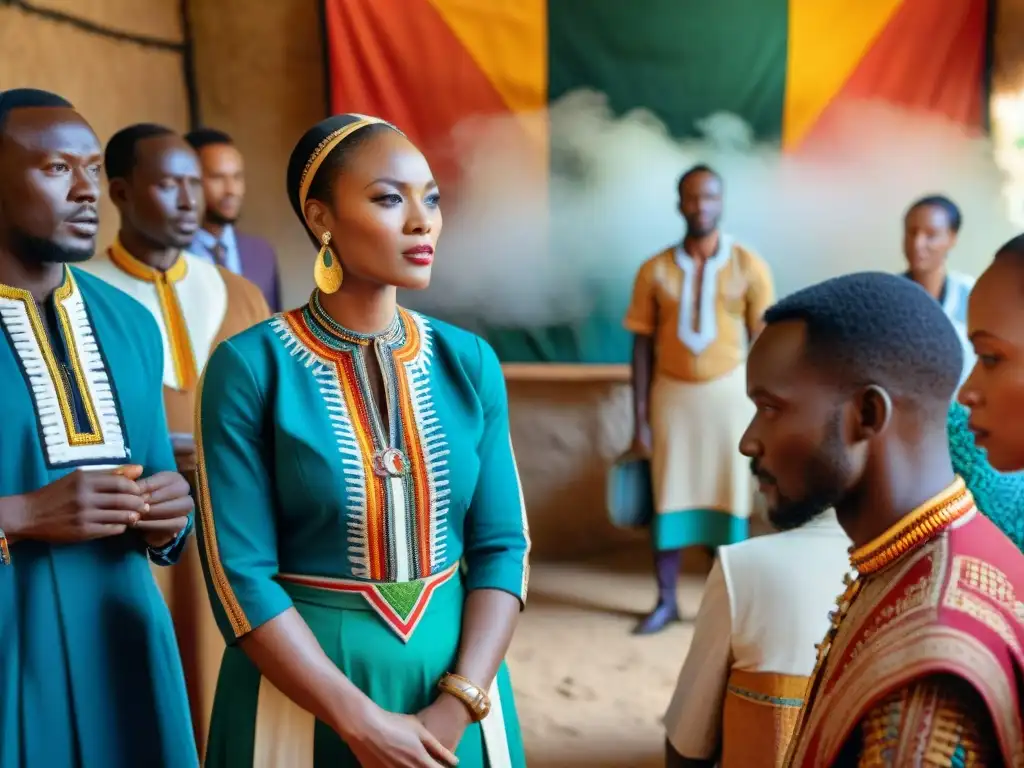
x,y
331,332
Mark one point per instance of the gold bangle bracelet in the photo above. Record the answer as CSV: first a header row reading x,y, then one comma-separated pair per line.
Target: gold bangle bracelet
x,y
469,693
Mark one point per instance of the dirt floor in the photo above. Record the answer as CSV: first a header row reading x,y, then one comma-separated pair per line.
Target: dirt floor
x,y
588,692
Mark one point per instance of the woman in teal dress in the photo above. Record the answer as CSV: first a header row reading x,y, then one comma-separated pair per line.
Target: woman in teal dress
x,y
999,495
360,516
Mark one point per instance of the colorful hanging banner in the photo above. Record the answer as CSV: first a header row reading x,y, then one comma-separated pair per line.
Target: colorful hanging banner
x,y
781,65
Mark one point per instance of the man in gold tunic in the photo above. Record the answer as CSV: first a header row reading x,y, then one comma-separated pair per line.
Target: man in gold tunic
x,y
852,380
155,182
695,308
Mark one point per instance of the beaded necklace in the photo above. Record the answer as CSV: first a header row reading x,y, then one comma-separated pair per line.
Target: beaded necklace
x,y
389,460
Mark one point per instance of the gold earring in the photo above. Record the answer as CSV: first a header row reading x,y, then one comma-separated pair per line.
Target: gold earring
x,y
327,272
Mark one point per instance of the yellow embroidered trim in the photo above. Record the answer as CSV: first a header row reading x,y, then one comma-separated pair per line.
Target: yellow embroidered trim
x,y
225,592
94,436
182,356
323,149
914,529
973,585
524,585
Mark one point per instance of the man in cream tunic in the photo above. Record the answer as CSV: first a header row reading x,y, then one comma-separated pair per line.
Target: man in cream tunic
x,y
155,181
765,606
695,309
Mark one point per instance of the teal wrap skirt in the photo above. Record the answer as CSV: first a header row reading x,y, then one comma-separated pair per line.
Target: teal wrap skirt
x,y
255,726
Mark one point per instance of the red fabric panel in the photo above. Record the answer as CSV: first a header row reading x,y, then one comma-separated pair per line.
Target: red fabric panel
x,y
930,57
399,60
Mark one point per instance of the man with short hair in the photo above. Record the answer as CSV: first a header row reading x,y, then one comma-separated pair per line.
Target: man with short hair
x,y
852,380
695,308
155,183
224,190
765,607
89,673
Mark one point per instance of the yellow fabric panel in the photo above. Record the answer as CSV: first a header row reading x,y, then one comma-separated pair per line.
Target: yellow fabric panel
x,y
759,717
508,39
827,39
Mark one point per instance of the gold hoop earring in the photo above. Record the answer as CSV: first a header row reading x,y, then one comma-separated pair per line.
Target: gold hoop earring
x,y
327,273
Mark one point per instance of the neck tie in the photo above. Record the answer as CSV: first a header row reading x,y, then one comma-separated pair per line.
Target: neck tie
x,y
220,254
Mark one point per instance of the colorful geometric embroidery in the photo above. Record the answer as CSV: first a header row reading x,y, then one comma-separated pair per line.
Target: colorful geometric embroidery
x,y
973,586
906,646
400,604
764,698
396,520
929,722
100,440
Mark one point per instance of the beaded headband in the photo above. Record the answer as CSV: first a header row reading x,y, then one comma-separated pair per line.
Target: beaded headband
x,y
324,148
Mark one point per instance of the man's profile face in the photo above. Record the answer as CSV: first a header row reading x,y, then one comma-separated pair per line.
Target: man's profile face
x,y
163,196
223,182
50,166
795,440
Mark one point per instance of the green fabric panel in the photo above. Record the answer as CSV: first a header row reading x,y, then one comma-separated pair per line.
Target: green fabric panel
x,y
598,340
682,59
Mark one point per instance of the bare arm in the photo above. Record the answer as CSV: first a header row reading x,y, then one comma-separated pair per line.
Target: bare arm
x,y
642,369
286,652
642,321
760,294
693,720
489,618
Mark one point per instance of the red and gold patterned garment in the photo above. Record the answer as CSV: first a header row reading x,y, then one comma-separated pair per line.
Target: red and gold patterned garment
x,y
922,664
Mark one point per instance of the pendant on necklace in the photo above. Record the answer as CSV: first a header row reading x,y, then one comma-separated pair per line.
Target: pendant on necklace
x,y
390,462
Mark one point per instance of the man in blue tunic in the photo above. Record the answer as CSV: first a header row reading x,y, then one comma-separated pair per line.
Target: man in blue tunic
x,y
89,670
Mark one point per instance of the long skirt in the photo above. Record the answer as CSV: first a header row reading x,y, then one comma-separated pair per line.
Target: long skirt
x,y
703,487
256,726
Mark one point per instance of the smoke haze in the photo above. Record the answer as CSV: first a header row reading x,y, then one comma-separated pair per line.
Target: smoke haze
x,y
527,244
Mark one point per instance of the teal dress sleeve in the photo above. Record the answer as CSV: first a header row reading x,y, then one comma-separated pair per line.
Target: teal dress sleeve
x,y
497,543
158,455
237,528
999,496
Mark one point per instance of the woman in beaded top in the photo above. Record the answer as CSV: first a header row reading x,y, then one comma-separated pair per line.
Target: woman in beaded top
x,y
362,525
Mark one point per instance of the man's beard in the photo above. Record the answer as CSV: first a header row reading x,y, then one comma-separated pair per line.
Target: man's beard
x,y
697,230
825,483
42,251
219,219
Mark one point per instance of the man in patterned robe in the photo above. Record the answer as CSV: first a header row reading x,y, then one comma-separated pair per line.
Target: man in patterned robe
x,y
852,379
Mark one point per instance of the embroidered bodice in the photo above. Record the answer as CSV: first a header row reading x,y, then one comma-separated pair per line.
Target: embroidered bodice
x,y
300,475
